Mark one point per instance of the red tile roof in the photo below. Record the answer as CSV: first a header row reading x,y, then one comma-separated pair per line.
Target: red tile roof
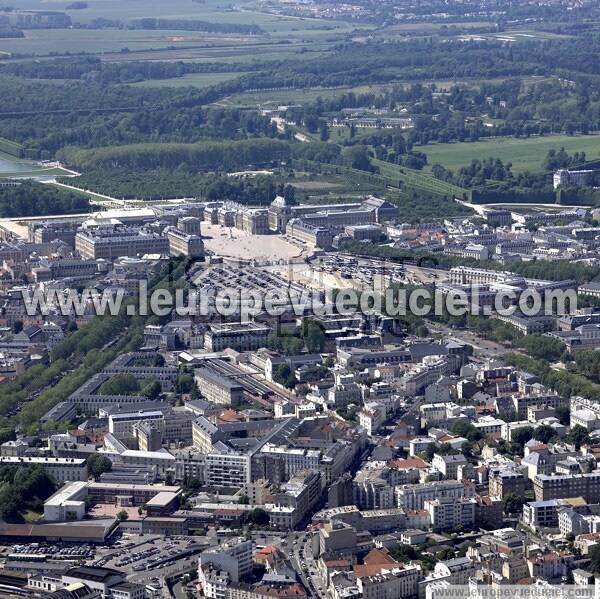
x,y
380,557
408,463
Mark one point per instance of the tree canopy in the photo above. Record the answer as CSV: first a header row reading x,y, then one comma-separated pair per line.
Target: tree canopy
x,y
120,384
29,198
98,464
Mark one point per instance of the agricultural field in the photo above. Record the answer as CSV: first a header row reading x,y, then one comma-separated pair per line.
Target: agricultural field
x,y
406,30
129,9
471,82
76,41
291,30
525,154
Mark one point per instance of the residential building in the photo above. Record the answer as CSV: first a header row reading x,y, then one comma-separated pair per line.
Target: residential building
x,y
60,469
217,388
413,497
448,513
568,485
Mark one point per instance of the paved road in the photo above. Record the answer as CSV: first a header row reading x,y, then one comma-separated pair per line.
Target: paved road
x,y
302,554
180,568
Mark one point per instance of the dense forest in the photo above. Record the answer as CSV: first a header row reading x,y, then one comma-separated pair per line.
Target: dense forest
x,y
36,199
86,111
67,115
203,156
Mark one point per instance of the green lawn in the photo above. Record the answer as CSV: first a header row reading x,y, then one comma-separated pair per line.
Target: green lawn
x,y
35,173
191,80
525,154
19,167
90,194
294,96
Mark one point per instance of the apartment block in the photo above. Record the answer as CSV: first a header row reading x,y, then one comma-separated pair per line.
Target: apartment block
x,y
413,497
217,388
568,485
238,336
60,469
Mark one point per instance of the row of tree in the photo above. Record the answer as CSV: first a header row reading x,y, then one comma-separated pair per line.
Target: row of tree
x,y
93,70
127,384
201,156
195,25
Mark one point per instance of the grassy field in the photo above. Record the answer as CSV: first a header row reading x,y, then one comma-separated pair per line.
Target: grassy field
x,y
40,173
293,96
94,197
323,189
525,154
248,53
17,167
192,80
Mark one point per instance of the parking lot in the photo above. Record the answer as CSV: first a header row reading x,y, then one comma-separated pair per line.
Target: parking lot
x,y
43,551
133,553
